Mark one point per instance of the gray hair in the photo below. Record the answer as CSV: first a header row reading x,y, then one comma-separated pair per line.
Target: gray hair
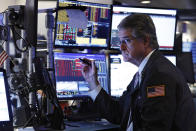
x,y
142,26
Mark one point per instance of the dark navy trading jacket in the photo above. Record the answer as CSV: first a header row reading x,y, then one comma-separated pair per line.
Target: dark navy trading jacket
x,y
162,102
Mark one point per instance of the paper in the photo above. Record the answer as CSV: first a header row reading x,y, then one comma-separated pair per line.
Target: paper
x,y
77,18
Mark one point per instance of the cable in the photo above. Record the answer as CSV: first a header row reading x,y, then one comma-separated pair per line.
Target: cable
x,y
2,43
28,43
14,38
12,27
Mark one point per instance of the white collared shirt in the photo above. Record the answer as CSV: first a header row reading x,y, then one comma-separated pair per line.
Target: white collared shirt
x,y
143,63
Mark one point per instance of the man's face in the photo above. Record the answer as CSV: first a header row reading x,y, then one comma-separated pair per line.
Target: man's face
x,y
132,48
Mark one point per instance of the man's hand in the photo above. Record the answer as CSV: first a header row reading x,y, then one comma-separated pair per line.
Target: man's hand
x,y
89,73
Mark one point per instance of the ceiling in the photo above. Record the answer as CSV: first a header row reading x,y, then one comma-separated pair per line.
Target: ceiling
x,y
179,4
186,8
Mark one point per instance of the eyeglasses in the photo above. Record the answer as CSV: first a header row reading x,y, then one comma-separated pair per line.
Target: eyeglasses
x,y
127,40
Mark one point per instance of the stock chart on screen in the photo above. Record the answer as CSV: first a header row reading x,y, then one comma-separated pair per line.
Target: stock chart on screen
x,y
69,80
96,33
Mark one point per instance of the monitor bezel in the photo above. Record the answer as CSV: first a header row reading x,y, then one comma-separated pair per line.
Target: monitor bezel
x,y
84,47
162,49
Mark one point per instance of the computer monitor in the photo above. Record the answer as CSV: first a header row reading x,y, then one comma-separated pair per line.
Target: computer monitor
x,y
172,58
178,44
6,119
70,83
164,20
121,74
184,62
97,32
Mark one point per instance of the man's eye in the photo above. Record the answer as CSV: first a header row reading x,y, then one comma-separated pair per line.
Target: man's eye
x,y
127,40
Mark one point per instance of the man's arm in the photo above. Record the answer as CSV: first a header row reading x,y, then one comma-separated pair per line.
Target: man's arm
x,y
110,109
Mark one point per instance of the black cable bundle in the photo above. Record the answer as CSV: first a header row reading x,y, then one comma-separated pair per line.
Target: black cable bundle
x,y
56,119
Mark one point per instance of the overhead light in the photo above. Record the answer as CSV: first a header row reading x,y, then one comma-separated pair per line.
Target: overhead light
x,y
187,22
145,2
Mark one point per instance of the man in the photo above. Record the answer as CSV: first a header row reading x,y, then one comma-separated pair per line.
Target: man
x,y
158,99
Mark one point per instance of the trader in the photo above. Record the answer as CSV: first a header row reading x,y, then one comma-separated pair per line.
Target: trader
x,y
158,98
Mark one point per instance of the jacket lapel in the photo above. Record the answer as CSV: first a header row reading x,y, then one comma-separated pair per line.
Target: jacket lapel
x,y
154,56
135,89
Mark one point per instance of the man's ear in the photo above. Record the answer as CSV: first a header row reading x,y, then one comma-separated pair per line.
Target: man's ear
x,y
147,40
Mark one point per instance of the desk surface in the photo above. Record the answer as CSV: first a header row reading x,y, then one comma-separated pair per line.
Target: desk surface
x,y
90,125
82,126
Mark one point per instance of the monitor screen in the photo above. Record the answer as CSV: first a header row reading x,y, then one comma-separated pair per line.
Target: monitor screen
x,y
70,83
97,32
121,74
172,58
5,108
164,20
4,113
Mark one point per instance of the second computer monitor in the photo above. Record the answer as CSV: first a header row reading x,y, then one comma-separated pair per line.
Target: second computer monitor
x,y
70,83
164,20
121,74
6,119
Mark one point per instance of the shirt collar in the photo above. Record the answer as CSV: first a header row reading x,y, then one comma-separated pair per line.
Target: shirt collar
x,y
143,63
